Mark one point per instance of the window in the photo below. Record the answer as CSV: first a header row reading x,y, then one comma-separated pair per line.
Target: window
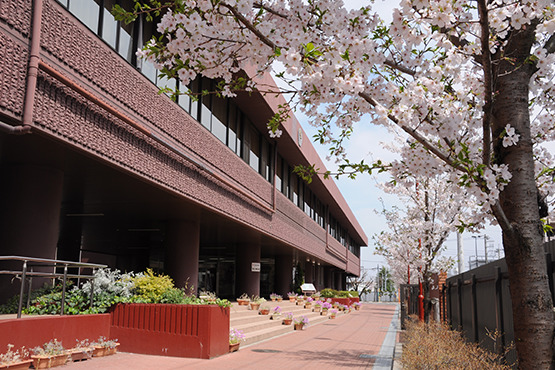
x,y
219,118
279,173
254,148
87,11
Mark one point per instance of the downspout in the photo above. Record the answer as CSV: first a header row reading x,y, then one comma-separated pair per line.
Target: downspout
x,y
33,70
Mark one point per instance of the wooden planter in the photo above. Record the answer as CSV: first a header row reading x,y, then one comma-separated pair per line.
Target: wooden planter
x,y
46,362
287,321
18,365
234,347
100,351
81,354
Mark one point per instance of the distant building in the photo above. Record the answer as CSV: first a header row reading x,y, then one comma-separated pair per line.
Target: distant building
x,y
97,166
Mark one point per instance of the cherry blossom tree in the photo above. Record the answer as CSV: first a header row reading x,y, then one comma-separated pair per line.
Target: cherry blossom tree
x,y
469,82
433,208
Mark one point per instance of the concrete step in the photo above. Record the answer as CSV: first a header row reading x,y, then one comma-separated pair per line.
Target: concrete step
x,y
260,327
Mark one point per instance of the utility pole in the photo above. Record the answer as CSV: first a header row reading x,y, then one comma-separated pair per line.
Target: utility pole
x,y
486,247
460,255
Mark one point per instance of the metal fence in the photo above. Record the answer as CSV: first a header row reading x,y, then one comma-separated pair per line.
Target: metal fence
x,y
26,273
478,302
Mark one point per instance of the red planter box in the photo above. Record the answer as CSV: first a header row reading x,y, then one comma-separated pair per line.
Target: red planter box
x,y
346,301
199,331
33,331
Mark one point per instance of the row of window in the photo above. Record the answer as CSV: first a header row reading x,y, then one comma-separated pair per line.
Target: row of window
x,y
219,115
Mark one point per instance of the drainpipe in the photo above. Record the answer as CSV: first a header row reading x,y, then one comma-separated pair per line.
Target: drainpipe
x,y
32,73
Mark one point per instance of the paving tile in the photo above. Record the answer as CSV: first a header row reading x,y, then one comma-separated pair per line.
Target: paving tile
x,y
351,341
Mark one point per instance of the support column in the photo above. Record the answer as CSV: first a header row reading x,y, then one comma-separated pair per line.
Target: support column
x,y
284,274
30,201
328,275
339,280
309,272
182,252
247,280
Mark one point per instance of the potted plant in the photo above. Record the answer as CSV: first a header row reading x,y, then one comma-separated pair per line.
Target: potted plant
x,y
209,297
325,307
317,306
105,347
287,318
292,296
333,313
17,360
279,298
82,351
275,313
264,310
316,296
255,302
51,354
243,300
273,297
357,306
300,322
235,338
308,302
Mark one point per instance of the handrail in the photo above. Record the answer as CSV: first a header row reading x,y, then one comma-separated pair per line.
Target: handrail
x,y
45,262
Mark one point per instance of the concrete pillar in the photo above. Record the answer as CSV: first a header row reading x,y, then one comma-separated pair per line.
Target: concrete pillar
x,y
284,274
30,201
248,281
182,252
328,277
339,280
309,272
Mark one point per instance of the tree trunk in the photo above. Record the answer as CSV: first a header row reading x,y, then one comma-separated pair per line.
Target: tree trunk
x,y
427,299
523,238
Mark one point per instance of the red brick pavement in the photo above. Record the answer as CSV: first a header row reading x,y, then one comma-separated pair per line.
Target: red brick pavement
x,y
335,344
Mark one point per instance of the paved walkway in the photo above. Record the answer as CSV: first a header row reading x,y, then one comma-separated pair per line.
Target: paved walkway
x,y
363,339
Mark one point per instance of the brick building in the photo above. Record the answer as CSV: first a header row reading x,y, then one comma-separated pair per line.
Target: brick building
x,y
97,166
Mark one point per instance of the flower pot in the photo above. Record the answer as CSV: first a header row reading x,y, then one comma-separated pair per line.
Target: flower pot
x,y
255,306
307,305
46,362
287,321
299,326
317,308
357,308
104,351
18,365
264,312
243,302
280,299
234,347
292,299
332,316
81,354
324,312
274,299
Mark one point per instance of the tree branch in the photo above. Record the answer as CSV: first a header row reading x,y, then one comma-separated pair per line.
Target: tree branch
x,y
259,5
488,82
399,67
550,45
250,26
421,139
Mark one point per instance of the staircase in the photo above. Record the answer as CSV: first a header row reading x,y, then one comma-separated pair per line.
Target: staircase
x,y
260,327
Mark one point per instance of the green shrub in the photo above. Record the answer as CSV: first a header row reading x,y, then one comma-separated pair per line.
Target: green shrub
x,y
151,287
332,293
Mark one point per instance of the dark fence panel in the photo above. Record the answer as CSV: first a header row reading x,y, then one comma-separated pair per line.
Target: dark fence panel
x,y
409,301
478,302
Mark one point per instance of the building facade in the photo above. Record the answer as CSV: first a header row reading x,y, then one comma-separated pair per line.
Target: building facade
x,y
96,165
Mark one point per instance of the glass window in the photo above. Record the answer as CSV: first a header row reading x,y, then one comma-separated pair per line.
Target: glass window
x,y
205,113
109,24
294,186
286,188
195,102
219,118
279,166
254,154
87,11
184,100
232,128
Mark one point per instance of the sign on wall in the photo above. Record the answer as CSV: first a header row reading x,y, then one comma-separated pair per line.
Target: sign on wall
x,y
255,266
